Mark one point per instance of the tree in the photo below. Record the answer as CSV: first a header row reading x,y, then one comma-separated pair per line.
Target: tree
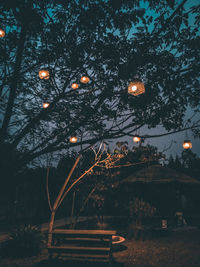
x,y
139,157
102,159
188,162
109,41
102,187
175,163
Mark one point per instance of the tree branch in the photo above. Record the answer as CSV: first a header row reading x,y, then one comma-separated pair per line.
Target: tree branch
x,y
14,83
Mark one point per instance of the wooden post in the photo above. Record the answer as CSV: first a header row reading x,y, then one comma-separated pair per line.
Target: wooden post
x,y
73,202
110,253
51,228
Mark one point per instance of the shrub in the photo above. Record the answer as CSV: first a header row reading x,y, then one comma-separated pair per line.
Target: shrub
x,y
24,241
141,210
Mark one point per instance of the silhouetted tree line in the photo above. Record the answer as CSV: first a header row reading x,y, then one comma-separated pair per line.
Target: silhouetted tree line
x,y
188,162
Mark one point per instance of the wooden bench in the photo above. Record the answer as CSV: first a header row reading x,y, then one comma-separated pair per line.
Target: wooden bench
x,y
82,244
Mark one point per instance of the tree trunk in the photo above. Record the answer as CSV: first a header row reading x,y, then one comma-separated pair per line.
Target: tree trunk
x,y
14,84
56,203
51,228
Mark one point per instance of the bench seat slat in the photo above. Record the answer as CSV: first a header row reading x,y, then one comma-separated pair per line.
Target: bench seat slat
x,y
84,232
86,256
65,248
85,239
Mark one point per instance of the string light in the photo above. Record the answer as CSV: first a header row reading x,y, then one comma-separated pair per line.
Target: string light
x,y
44,74
46,105
136,139
2,33
85,79
136,88
75,85
73,139
187,144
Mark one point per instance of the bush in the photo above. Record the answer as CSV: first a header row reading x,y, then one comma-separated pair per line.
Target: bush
x,y
24,241
141,210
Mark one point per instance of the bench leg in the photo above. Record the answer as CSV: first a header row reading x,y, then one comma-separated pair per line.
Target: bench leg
x,y
110,262
110,259
57,256
50,256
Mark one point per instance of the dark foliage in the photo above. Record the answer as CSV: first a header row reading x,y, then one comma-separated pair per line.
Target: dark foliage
x,y
112,42
188,163
23,242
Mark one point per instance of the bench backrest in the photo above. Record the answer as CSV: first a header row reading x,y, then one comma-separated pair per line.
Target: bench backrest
x,y
100,238
94,233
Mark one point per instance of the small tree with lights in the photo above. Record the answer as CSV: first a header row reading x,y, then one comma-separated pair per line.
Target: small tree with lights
x,y
102,159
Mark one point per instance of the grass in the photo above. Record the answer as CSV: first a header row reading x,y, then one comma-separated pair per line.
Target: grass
x,y
175,249
179,249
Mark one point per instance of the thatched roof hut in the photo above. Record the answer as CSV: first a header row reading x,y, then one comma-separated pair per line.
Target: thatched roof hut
x,y
158,174
162,187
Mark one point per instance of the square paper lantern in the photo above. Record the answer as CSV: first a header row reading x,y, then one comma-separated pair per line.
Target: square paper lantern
x,y
74,85
187,144
136,88
44,74
46,105
85,79
136,139
2,33
73,139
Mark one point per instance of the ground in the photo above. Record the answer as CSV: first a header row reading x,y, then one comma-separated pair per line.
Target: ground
x,y
175,249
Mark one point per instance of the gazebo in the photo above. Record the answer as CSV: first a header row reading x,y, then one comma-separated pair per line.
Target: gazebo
x,y
166,189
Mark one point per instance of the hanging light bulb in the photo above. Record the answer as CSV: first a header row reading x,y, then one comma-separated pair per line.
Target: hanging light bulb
x,y
136,88
2,33
46,105
73,139
44,74
187,144
133,88
85,79
136,139
120,156
75,85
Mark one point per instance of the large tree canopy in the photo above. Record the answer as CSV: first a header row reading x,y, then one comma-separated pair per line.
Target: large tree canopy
x,y
110,41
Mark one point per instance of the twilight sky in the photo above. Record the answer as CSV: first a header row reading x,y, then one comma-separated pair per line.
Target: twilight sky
x,y
174,141
177,148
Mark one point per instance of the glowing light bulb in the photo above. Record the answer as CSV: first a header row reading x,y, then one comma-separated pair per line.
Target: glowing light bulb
x,y
134,88
2,33
136,139
44,74
187,144
73,139
85,79
74,85
46,105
